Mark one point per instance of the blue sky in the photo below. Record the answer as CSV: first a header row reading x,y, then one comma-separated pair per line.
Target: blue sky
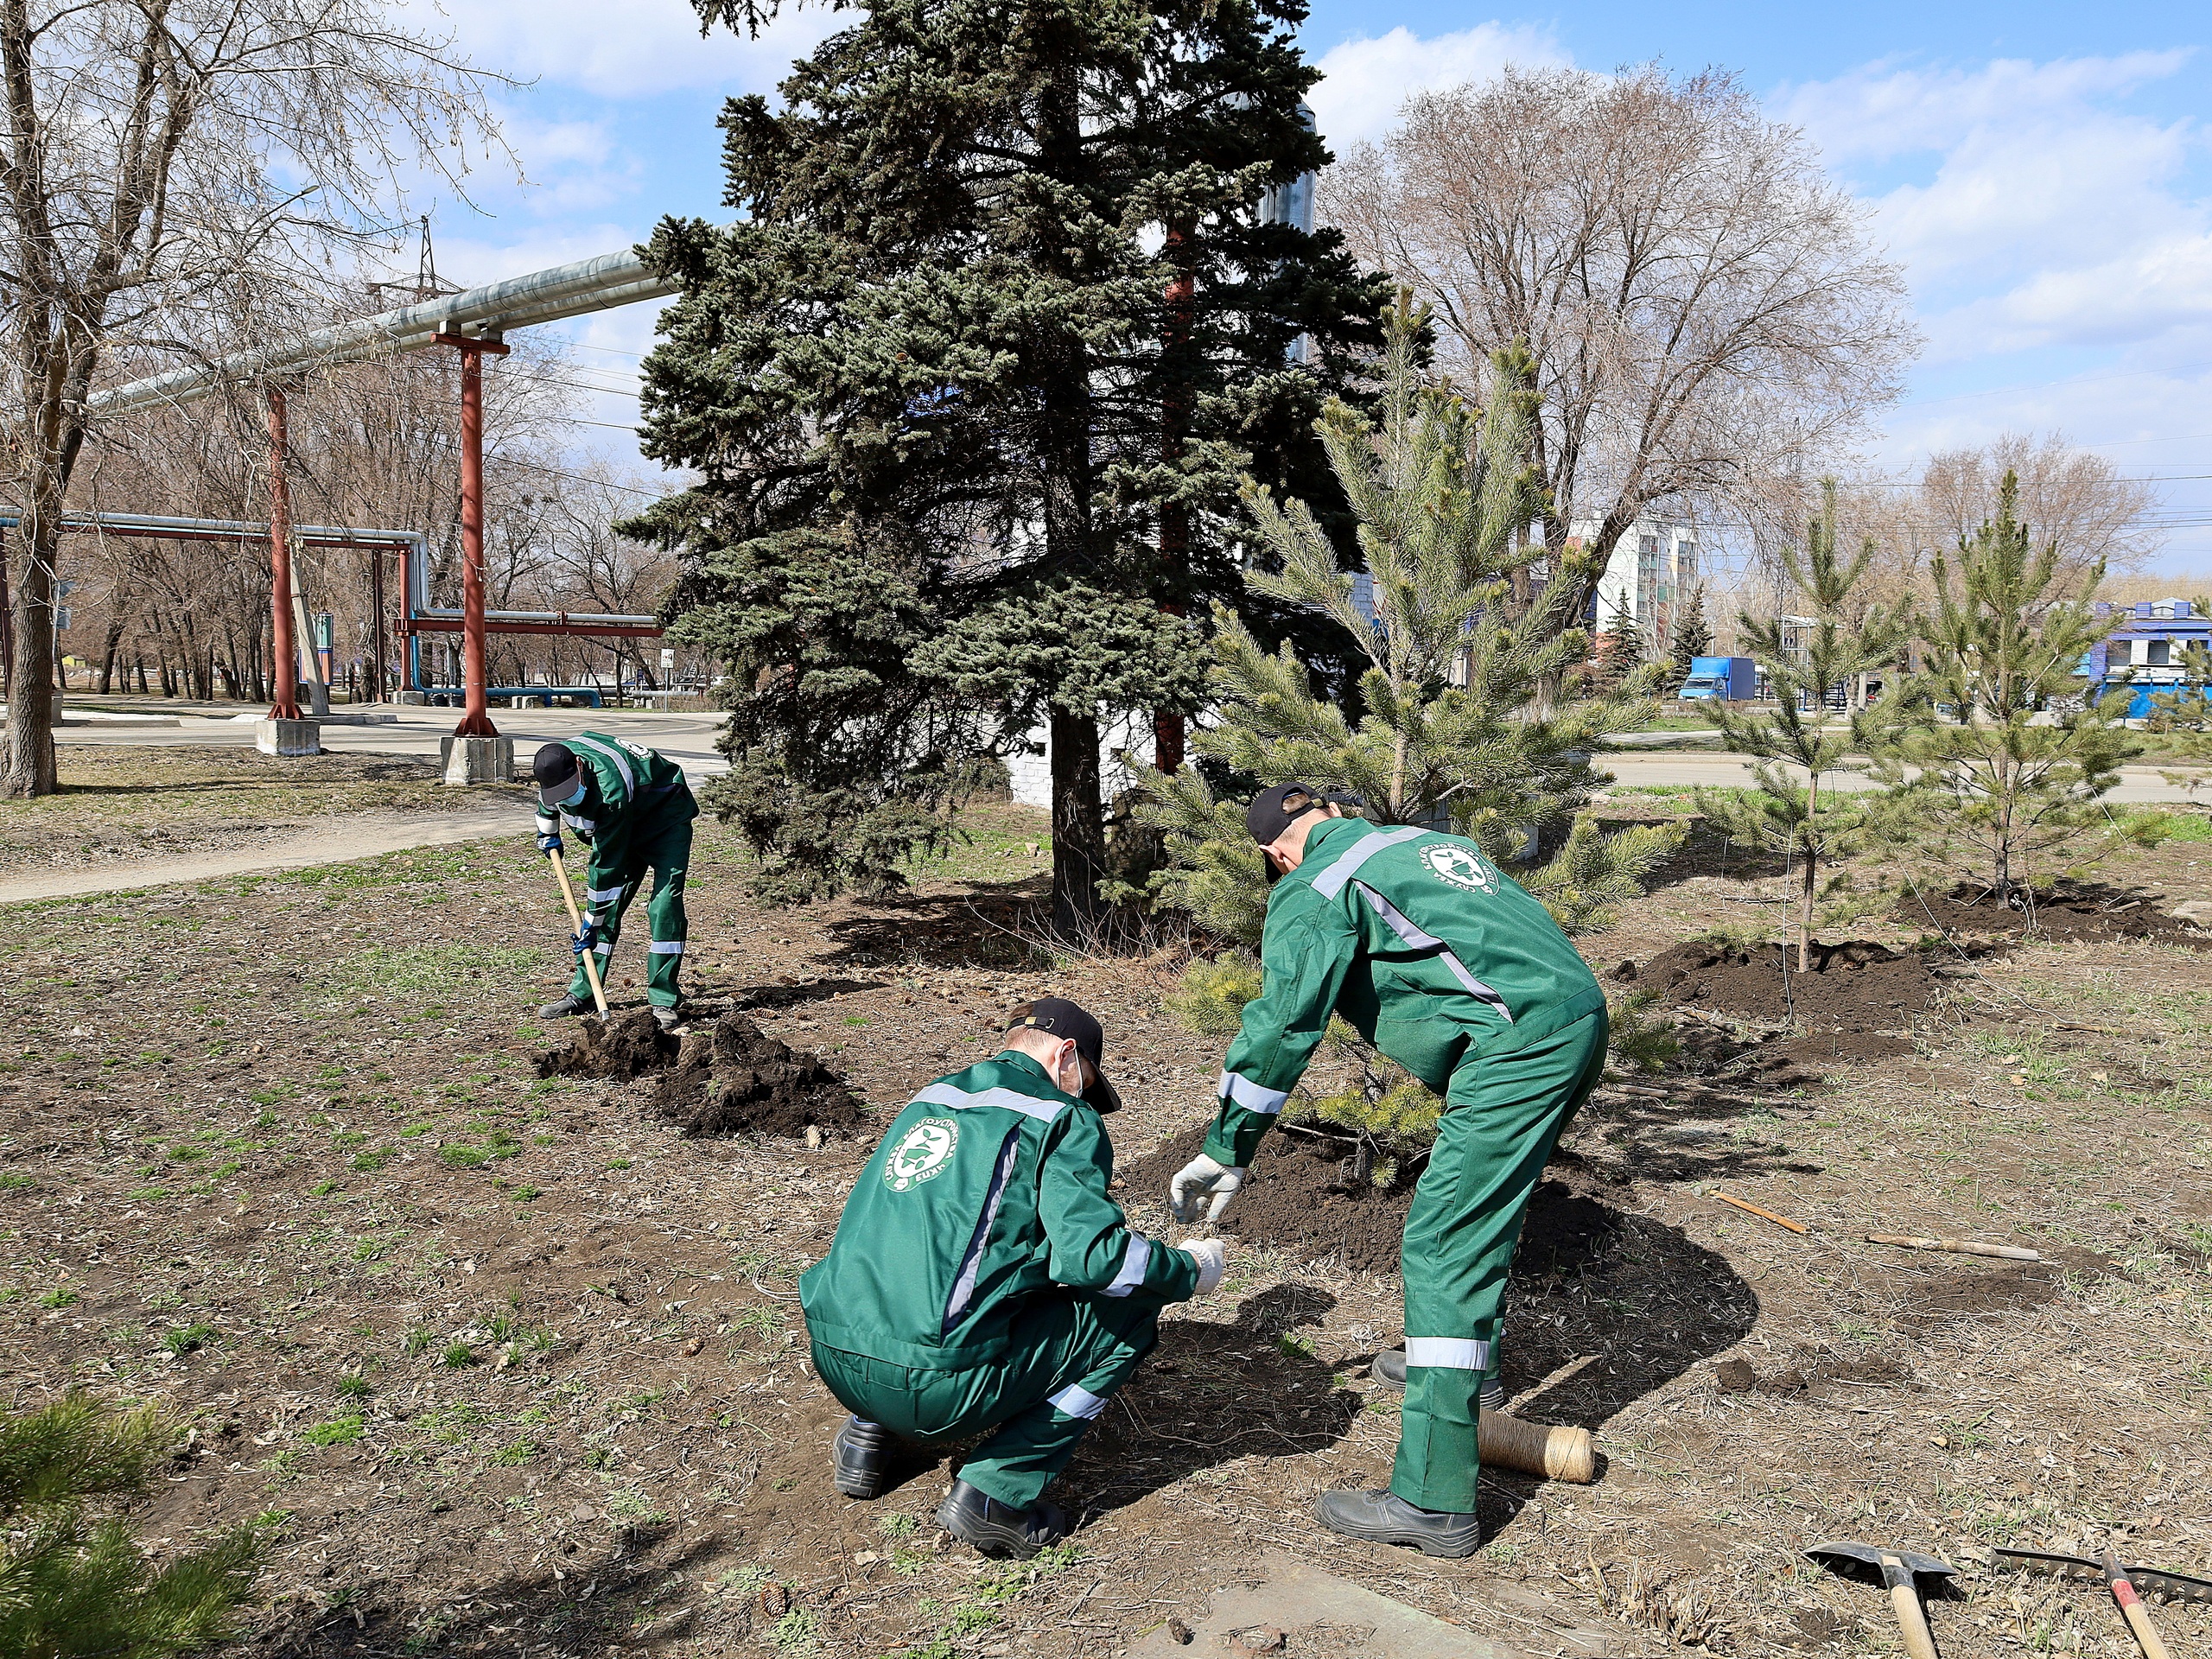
x,y
2042,171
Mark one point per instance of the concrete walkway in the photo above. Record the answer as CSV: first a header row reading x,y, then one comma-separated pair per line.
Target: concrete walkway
x,y
364,836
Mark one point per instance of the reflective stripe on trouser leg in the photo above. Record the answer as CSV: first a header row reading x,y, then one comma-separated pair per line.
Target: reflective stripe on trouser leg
x,y
1502,1115
669,852
610,931
1084,1350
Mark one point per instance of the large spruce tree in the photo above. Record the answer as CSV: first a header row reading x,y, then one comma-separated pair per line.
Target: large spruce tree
x,y
969,387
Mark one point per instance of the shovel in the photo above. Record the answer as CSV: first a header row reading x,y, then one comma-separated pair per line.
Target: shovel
x,y
1900,1570
576,921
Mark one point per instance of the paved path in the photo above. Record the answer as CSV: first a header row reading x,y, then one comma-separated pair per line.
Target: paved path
x,y
1677,770
362,835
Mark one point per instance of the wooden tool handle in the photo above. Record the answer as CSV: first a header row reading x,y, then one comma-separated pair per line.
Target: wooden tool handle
x,y
1556,1453
1746,1204
576,921
1919,1640
2132,1610
1957,1246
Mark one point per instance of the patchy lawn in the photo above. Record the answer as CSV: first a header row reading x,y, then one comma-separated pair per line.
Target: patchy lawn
x,y
514,1367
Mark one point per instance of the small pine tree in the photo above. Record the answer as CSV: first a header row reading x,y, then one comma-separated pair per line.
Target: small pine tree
x,y
1693,633
1461,729
1976,746
1621,649
1785,815
72,1582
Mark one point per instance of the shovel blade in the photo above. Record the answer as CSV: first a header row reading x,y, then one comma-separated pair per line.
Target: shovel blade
x,y
1849,1556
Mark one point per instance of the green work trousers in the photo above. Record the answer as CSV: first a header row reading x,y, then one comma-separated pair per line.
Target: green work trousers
x,y
663,846
1502,1115
1070,1353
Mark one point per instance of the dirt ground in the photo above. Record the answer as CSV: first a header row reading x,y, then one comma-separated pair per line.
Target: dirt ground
x,y
513,1364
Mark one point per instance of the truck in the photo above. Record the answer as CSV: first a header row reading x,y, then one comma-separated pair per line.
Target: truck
x,y
1734,678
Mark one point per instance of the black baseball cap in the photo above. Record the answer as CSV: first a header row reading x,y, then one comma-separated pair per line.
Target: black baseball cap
x,y
554,766
1061,1018
1273,810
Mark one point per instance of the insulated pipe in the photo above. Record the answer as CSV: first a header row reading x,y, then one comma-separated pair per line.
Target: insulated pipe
x,y
280,565
570,290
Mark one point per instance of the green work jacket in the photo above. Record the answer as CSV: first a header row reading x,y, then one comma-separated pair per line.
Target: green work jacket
x,y
990,1190
627,787
1424,945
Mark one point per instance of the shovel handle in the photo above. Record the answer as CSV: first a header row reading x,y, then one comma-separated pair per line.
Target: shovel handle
x,y
576,921
1912,1618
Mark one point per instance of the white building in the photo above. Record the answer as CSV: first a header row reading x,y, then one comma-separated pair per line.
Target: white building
x,y
1653,569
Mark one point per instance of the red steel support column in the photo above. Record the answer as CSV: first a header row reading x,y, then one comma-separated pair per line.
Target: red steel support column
x,y
476,721
287,706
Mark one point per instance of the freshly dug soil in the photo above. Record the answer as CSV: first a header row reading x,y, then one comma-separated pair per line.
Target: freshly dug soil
x,y
2069,911
1851,990
618,1050
1299,1197
731,1078
727,1078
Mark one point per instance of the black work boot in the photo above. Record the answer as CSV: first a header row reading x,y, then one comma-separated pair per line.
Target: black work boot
x,y
1384,1518
860,1458
1389,1367
569,1003
997,1528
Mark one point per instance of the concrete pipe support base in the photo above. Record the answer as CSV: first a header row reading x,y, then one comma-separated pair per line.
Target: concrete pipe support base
x,y
288,737
477,759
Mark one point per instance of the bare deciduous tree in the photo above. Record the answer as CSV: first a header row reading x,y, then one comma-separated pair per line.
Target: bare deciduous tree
x,y
2097,515
1710,325
154,151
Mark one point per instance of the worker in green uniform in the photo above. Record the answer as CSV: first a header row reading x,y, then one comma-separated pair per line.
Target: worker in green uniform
x,y
1455,972
631,805
981,1278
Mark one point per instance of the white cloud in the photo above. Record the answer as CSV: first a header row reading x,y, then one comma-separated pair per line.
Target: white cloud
x,y
1366,81
632,49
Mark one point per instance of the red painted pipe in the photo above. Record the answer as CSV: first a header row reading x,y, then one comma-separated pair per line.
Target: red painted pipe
x,y
476,721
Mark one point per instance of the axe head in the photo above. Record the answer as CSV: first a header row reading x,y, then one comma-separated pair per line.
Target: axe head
x,y
1858,1560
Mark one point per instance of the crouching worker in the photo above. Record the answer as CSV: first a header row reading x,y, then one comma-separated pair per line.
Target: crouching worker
x,y
981,1279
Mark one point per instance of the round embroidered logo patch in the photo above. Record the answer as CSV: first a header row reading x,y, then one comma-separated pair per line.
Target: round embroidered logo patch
x,y
922,1151
1460,866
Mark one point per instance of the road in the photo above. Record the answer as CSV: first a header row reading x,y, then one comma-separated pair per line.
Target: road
x,y
688,740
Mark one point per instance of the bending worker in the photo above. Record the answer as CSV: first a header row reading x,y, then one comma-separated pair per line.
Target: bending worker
x,y
981,1278
1460,976
631,807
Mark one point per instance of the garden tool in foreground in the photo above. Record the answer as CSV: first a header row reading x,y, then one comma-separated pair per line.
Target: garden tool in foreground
x,y
2124,1582
1898,1569
576,921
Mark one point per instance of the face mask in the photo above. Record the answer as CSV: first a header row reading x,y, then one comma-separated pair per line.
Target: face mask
x,y
574,795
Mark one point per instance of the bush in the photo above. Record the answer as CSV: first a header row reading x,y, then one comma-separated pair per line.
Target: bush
x,y
73,1581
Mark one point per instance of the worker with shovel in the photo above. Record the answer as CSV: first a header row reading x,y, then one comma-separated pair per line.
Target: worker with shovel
x,y
981,1279
631,805
1455,972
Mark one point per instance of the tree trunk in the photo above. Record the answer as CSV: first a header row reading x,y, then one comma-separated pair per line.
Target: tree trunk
x,y
1078,826
107,655
1812,872
30,769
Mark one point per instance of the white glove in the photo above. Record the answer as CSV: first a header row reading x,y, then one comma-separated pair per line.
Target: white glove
x,y
1194,1181
1213,1257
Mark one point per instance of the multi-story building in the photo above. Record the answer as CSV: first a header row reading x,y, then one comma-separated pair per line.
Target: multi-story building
x,y
2147,647
1653,568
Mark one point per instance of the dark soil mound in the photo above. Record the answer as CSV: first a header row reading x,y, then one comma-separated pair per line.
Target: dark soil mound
x,y
2068,911
1300,1196
1851,990
732,1079
632,1046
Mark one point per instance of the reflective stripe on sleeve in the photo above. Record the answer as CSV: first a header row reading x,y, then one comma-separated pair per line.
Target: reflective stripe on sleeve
x,y
1076,1401
1420,938
1133,1266
1251,1095
665,948
620,760
1331,881
960,1100
1448,1353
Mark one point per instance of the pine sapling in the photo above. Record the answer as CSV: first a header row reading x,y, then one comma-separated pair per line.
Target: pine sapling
x,y
1786,814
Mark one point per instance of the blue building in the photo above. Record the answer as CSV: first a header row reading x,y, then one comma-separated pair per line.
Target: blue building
x,y
2147,647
